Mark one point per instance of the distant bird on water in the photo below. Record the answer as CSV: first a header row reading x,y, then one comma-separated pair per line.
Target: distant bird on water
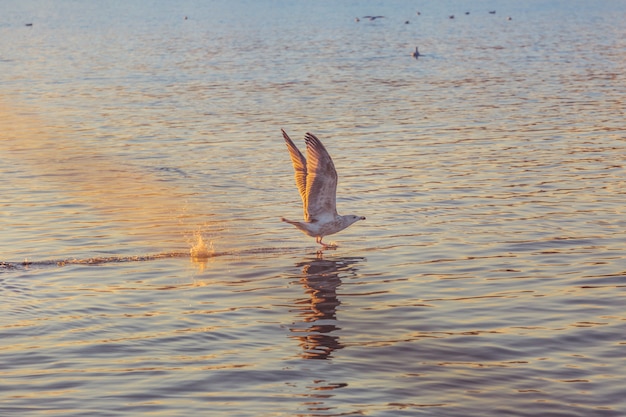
x,y
416,54
316,179
373,17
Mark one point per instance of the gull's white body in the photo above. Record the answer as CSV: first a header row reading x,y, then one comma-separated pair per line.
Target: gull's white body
x,y
316,179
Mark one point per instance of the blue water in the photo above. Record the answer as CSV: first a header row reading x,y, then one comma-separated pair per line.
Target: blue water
x,y
488,279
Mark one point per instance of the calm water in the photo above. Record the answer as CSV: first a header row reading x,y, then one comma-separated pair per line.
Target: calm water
x,y
489,278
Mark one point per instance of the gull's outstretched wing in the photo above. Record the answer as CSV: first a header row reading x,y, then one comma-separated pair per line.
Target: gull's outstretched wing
x,y
299,167
321,181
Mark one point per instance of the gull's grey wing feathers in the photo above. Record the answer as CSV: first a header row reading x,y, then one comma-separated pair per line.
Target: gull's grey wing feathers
x,y
299,167
321,181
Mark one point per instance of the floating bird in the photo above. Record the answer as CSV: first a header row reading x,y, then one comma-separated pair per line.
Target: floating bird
x,y
373,17
509,18
418,13
316,179
451,16
406,22
416,54
356,19
466,13
492,12
28,24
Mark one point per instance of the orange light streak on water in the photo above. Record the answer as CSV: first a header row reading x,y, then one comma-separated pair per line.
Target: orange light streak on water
x,y
98,187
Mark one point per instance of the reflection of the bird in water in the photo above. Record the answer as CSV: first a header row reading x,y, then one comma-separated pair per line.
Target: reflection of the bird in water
x,y
321,278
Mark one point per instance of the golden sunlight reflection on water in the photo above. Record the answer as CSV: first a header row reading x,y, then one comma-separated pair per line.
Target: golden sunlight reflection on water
x,y
96,184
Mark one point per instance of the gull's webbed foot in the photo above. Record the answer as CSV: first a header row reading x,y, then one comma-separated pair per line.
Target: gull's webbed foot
x,y
325,245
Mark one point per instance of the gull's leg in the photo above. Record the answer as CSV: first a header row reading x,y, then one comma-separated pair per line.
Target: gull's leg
x,y
324,245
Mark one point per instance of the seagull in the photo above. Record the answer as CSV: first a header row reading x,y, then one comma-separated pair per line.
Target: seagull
x,y
416,54
316,179
372,17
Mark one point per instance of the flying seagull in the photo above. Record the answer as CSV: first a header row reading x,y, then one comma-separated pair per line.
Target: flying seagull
x,y
316,179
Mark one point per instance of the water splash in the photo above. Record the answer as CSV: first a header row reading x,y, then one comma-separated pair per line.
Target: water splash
x,y
200,250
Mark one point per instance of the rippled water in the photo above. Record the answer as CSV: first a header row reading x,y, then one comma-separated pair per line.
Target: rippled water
x,y
488,279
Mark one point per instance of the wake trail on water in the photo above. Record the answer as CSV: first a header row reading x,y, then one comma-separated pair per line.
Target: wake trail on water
x,y
201,251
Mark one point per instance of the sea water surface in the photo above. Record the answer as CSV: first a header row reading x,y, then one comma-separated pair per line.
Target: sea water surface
x,y
489,278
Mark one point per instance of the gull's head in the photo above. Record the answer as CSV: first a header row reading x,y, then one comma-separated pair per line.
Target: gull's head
x,y
351,218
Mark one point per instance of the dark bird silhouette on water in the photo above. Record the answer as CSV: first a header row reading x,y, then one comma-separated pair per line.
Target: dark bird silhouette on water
x,y
373,17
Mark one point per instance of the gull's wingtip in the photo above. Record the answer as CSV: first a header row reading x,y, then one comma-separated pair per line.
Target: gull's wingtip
x,y
310,137
311,140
